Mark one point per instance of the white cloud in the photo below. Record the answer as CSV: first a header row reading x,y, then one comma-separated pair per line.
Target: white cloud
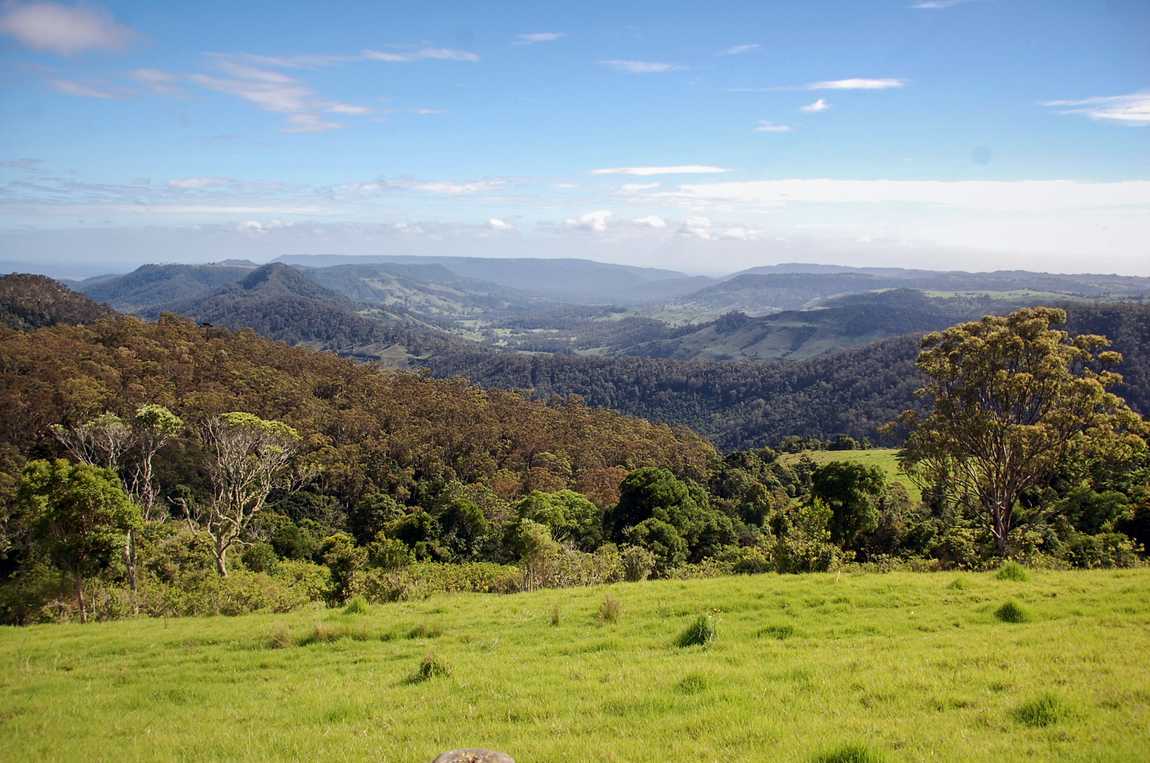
x,y
632,188
596,221
63,29
697,227
534,38
675,169
348,109
159,81
651,221
422,54
738,50
500,225
816,107
303,123
641,67
71,87
426,112
283,95
857,84
197,183
765,126
1132,109
445,187
987,195
936,5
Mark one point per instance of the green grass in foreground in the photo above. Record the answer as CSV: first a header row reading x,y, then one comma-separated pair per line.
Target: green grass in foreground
x,y
897,667
884,458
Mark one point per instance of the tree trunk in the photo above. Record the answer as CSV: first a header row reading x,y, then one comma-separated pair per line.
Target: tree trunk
x,y
1001,528
130,563
80,599
222,561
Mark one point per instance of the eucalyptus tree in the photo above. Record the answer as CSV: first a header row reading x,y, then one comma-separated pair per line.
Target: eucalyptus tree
x,y
1011,397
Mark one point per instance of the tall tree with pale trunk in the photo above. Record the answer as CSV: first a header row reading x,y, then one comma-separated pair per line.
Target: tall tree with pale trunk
x,y
1010,398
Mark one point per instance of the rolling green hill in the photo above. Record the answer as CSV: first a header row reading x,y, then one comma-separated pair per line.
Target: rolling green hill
x,y
904,666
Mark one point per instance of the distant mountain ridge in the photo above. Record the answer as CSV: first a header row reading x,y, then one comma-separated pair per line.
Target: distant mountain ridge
x,y
33,301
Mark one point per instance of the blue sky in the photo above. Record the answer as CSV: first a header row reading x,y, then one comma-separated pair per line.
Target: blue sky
x,y
969,134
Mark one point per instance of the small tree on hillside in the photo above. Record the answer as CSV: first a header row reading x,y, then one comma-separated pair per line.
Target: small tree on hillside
x,y
129,450
853,493
78,514
1011,397
248,458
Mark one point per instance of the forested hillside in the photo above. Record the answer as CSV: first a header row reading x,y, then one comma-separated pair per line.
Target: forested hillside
x,y
375,430
31,301
745,404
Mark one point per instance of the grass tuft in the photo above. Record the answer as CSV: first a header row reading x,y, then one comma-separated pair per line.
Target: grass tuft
x,y
431,667
692,684
1011,613
849,753
555,616
327,633
357,605
280,638
958,584
1012,571
701,632
1045,710
610,610
423,630
778,632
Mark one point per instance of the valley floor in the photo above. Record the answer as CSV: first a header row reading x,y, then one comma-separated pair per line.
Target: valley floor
x,y
912,666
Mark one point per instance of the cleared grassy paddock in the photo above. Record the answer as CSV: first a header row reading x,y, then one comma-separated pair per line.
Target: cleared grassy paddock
x,y
910,666
884,458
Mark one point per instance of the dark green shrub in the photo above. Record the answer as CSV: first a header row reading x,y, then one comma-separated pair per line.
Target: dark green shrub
x,y
1011,613
1011,571
261,557
1044,710
431,667
701,632
610,610
848,753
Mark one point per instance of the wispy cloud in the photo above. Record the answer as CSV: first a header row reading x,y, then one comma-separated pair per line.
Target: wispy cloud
x,y
738,50
159,81
641,67
534,38
277,92
675,169
857,84
499,224
422,54
816,107
309,123
63,29
765,126
936,5
1132,109
71,87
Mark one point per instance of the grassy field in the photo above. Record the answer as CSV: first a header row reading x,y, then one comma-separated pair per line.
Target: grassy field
x,y
911,666
884,458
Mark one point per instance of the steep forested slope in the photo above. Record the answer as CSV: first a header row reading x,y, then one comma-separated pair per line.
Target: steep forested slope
x,y
31,301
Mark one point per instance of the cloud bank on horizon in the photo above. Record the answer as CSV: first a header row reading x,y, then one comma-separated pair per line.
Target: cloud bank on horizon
x,y
142,132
